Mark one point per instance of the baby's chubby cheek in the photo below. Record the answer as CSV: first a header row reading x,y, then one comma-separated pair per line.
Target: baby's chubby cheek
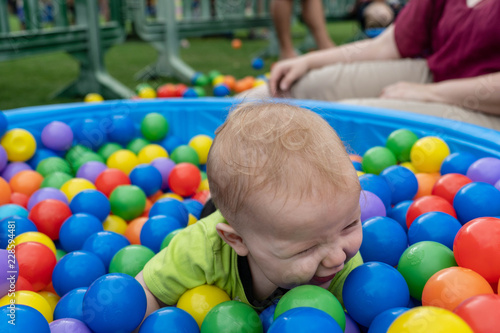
x,y
299,272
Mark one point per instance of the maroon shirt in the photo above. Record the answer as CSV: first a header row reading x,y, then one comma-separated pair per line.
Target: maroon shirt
x,y
456,40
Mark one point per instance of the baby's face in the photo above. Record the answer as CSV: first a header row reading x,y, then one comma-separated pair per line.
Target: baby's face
x,y
298,242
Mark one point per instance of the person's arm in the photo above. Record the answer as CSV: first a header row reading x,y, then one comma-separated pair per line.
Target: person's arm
x,y
153,303
285,73
481,93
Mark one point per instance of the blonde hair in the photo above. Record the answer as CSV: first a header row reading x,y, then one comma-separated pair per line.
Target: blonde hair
x,y
275,146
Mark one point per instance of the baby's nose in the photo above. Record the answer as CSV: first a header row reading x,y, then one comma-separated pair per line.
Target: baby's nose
x,y
333,257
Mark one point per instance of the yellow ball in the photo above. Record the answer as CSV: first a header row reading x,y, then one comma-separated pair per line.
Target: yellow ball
x,y
428,153
192,219
19,144
93,98
200,300
360,173
218,80
115,223
32,299
147,92
429,319
259,82
50,297
201,144
34,236
409,166
123,159
76,185
171,195
203,185
151,152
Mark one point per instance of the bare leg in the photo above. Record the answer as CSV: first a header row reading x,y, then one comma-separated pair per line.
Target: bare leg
x,y
314,17
281,11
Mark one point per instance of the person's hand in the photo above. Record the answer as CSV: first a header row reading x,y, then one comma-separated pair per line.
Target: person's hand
x,y
284,73
411,91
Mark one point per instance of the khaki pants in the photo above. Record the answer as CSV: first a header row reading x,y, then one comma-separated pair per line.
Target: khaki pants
x,y
361,84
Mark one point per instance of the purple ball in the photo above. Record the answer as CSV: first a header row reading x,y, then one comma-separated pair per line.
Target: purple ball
x,y
68,325
164,165
57,136
371,205
12,168
3,158
5,268
350,325
485,170
497,185
44,194
90,170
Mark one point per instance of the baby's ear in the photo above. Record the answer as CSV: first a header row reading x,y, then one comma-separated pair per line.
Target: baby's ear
x,y
233,238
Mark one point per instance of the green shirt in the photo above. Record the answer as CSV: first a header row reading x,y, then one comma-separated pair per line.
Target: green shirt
x,y
198,256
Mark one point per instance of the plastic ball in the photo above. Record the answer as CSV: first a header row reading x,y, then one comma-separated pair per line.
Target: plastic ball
x,y
304,319
422,260
458,162
166,241
434,226
377,185
384,240
200,300
177,320
55,180
76,185
147,178
475,200
5,192
108,149
221,90
485,170
448,185
53,164
171,142
110,179
400,142
85,158
44,194
430,203
105,244
151,152
48,216
91,202
165,166
184,179
376,159
428,153
93,98
371,205
8,279
373,288
35,236
8,210
402,183
36,263
398,213
383,321
102,302
133,231
14,226
426,182
154,126
480,312
156,229
232,316
130,260
23,284
180,89
127,201
314,297
199,79
194,207
76,269
170,207
13,168
116,224
137,144
90,170
57,135
50,297
122,129
69,325
257,63
147,92
236,43
477,246
26,319
166,91
76,229
70,305
89,133
29,298
19,144
124,160
26,182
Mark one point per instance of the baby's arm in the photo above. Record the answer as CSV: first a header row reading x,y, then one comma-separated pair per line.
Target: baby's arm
x,y
153,303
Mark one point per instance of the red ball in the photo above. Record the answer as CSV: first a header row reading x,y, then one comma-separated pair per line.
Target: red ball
x,y
23,284
49,215
180,89
201,196
36,263
481,312
184,179
20,199
477,247
110,179
448,185
429,203
166,91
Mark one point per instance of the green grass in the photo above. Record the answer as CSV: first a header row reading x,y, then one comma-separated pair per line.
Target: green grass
x,y
30,81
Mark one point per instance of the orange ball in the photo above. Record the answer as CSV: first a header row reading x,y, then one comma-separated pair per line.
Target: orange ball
x,y
26,182
133,232
239,86
5,192
155,196
236,43
426,182
450,286
20,199
229,81
355,158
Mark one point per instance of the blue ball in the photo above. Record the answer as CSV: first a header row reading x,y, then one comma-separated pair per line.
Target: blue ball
x,y
267,317
402,182
9,210
70,305
146,177
378,185
384,240
40,155
89,132
383,321
155,230
305,320
76,269
190,93
357,165
105,244
476,199
194,207
221,90
76,229
171,142
177,321
398,213
25,318
91,202
114,302
373,288
171,207
122,129
457,163
257,63
434,226
20,225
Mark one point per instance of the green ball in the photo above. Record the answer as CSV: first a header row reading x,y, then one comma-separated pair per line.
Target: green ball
x,y
141,86
185,153
213,74
232,316
420,261
203,175
201,81
400,143
75,152
137,144
55,180
86,157
154,126
108,149
59,254
53,164
127,201
376,159
130,260
313,297
168,238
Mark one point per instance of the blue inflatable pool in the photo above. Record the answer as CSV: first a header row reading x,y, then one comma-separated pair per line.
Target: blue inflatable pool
x,y
359,127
